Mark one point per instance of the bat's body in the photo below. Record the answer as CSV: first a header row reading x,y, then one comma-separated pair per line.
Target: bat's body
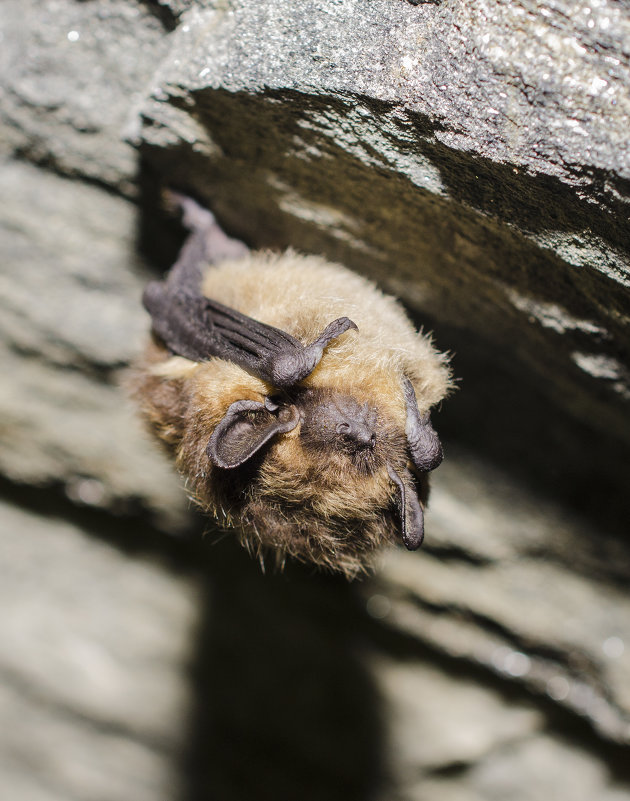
x,y
303,433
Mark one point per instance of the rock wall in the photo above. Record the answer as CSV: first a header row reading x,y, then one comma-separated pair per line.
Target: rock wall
x,y
470,157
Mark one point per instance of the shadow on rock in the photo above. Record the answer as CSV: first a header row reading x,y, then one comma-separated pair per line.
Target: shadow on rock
x,y
283,707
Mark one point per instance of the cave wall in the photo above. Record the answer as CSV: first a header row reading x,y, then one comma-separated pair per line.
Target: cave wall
x,y
471,158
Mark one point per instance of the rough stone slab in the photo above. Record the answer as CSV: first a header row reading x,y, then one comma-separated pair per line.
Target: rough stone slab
x,y
63,428
72,279
423,739
476,80
470,158
565,75
50,755
71,319
521,588
93,652
96,646
68,74
494,749
529,770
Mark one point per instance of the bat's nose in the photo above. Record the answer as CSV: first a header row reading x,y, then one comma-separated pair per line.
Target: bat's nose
x,y
357,432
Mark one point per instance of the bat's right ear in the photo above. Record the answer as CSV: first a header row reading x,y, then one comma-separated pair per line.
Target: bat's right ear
x,y
424,445
246,427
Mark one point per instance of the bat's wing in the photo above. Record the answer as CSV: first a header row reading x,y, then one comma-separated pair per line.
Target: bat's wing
x,y
199,328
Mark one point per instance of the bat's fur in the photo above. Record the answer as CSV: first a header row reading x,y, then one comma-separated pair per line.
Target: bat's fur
x,y
300,496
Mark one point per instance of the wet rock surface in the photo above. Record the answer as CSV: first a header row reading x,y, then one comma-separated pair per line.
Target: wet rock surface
x,y
471,159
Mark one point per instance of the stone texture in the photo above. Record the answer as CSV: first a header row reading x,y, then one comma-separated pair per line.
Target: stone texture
x,y
71,320
425,739
483,749
472,158
68,82
545,768
516,606
94,695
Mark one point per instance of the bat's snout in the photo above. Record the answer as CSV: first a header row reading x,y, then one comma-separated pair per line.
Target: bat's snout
x,y
339,422
358,433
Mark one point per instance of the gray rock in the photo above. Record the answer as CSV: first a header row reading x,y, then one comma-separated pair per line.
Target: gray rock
x,y
527,614
69,72
93,651
529,770
517,584
423,739
72,280
71,320
484,748
554,769
470,157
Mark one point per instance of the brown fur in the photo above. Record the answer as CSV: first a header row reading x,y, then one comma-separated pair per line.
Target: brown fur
x,y
299,499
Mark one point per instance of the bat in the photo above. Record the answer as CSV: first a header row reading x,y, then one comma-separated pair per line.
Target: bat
x,y
295,397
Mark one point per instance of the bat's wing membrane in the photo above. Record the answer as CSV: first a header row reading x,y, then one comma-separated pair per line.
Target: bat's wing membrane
x,y
198,328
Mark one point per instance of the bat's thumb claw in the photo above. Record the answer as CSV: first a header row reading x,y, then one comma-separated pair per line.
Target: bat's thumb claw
x,y
333,330
314,352
295,364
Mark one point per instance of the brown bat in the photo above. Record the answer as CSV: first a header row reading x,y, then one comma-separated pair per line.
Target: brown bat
x,y
295,397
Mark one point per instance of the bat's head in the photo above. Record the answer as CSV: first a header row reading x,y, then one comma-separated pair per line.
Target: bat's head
x,y
325,475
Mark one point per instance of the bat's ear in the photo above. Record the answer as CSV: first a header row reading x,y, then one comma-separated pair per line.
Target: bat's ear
x,y
246,427
424,446
409,508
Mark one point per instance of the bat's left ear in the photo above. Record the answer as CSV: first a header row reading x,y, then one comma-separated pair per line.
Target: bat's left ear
x,y
246,427
409,508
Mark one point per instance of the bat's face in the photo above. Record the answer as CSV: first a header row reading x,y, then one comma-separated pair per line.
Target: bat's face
x,y
304,472
321,491
341,449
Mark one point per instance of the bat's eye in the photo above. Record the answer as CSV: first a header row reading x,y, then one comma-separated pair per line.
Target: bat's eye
x,y
273,402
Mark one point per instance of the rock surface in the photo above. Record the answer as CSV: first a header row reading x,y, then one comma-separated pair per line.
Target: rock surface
x,y
71,321
472,158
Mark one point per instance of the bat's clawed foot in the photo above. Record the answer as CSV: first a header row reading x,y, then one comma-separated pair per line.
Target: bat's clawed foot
x,y
194,216
202,224
221,247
